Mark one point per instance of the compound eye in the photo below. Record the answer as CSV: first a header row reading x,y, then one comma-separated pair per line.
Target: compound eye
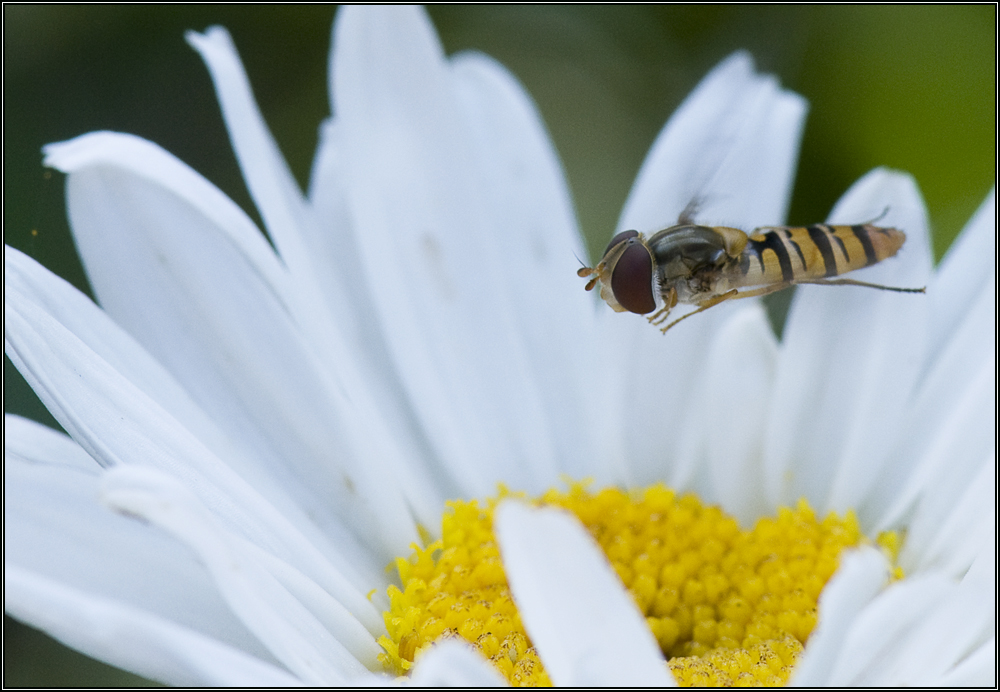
x,y
624,235
632,280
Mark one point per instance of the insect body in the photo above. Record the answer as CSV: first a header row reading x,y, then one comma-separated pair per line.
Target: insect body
x,y
706,265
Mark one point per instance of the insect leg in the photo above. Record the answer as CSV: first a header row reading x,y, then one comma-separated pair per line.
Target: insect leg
x,y
729,295
877,218
669,301
660,315
704,306
852,282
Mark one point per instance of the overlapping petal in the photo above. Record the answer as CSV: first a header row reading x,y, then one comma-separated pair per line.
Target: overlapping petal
x,y
848,366
205,295
315,637
419,209
583,623
730,148
105,584
117,423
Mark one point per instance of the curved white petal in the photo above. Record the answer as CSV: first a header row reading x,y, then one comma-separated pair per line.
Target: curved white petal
x,y
535,239
264,169
277,617
730,401
731,147
951,528
920,629
336,330
862,574
25,439
91,325
965,363
576,611
881,631
129,638
943,471
55,527
969,264
849,361
332,246
978,669
186,273
118,424
421,217
962,620
454,664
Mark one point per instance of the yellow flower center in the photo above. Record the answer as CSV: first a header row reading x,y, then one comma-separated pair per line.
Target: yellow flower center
x,y
728,606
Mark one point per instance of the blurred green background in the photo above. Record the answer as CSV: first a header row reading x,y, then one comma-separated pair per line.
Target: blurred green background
x,y
913,88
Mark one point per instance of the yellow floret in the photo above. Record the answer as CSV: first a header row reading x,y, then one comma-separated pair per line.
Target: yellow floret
x,y
728,607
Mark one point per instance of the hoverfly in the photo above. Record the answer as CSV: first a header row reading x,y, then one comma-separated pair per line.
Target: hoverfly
x,y
707,265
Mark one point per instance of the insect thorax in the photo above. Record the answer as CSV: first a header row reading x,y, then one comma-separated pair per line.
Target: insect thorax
x,y
689,259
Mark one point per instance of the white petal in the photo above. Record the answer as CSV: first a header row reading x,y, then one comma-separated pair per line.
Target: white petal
x,y
942,472
55,527
31,441
453,664
534,233
332,325
948,530
420,210
581,620
920,628
731,146
332,245
968,266
292,634
962,621
265,171
731,401
645,400
979,669
849,361
175,263
86,321
118,424
881,633
92,326
860,577
962,364
150,162
132,639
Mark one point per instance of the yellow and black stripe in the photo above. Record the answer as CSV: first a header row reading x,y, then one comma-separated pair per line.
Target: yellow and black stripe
x,y
785,255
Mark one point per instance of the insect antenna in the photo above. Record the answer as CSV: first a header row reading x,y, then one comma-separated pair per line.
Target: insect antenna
x,y
584,271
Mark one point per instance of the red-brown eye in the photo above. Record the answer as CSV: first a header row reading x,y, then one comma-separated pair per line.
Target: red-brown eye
x,y
632,280
624,235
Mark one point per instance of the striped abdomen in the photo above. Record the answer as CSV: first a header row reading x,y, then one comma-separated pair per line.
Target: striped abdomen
x,y
785,254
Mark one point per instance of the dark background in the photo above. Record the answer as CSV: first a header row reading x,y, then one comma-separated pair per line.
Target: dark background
x,y
912,88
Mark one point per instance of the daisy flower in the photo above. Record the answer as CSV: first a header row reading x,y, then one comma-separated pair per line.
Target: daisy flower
x,y
257,427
